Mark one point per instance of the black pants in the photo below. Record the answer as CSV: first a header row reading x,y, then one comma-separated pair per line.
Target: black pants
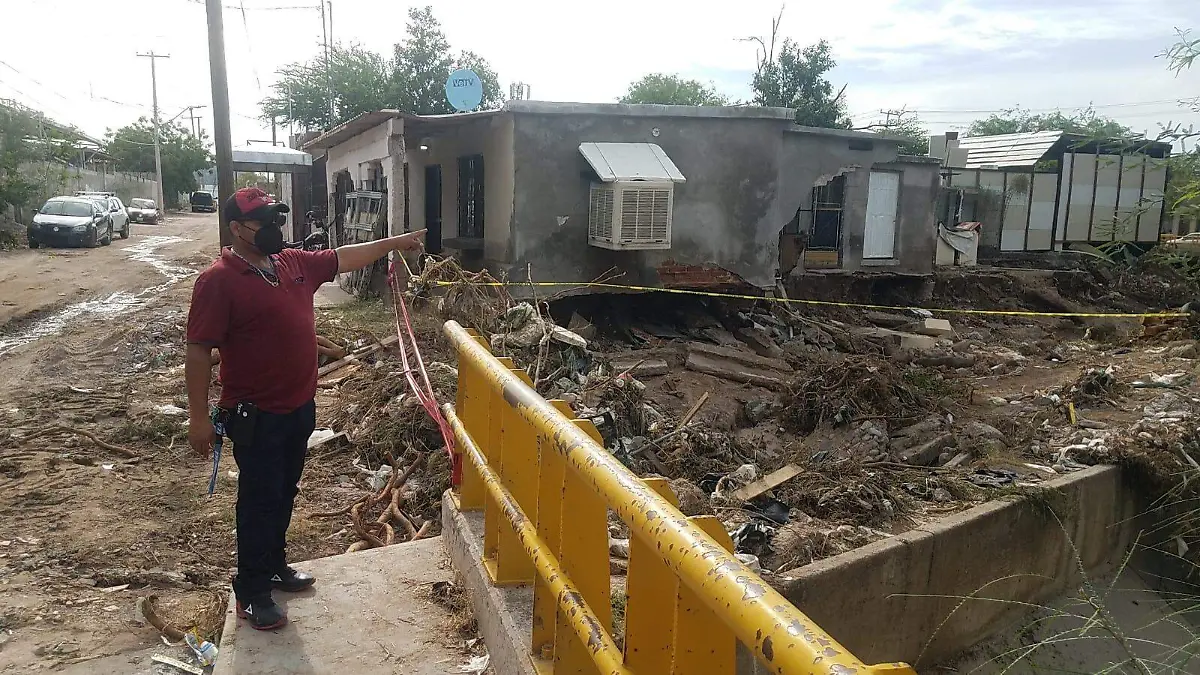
x,y
270,469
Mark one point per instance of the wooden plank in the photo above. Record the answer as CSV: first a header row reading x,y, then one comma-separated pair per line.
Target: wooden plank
x,y
732,371
739,356
341,435
353,358
766,483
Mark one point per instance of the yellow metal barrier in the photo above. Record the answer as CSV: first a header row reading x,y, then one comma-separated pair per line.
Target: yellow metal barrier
x,y
546,484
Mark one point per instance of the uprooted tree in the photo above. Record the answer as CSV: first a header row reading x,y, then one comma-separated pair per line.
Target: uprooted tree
x,y
321,93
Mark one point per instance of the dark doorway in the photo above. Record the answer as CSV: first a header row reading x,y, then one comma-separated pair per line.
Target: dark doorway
x,y
433,208
827,201
470,197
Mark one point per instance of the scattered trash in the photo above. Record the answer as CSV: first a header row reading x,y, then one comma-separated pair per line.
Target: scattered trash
x,y
993,477
205,651
476,665
754,538
170,409
176,663
1172,381
757,487
750,561
736,479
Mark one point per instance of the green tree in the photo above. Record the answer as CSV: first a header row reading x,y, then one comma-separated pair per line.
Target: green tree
x,y
423,61
132,149
1018,120
795,77
17,129
1183,190
672,90
906,125
357,80
33,155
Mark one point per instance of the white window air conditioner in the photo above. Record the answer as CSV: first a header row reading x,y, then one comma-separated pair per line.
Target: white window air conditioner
x,y
631,215
631,206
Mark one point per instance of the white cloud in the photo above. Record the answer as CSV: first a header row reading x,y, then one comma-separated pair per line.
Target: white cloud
x,y
932,54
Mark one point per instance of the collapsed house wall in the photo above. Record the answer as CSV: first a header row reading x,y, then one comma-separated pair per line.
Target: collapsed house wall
x,y
814,157
728,214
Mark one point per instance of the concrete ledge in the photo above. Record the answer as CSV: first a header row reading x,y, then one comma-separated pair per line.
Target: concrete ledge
x,y
900,599
505,615
369,614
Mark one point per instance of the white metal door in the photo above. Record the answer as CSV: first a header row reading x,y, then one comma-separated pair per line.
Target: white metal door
x,y
883,196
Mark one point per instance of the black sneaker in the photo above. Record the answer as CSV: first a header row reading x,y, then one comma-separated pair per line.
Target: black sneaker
x,y
262,613
292,581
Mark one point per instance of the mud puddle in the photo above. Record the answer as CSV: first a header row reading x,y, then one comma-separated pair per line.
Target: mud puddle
x,y
114,304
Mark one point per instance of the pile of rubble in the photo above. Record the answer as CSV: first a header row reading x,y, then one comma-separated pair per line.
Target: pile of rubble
x,y
807,433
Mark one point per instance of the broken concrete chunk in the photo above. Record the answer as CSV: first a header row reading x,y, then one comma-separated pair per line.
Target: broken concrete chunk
x,y
759,339
899,340
641,367
887,319
977,429
928,453
560,334
932,327
757,411
737,365
958,460
1186,351
581,327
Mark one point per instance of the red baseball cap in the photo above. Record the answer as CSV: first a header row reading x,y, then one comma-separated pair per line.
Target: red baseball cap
x,y
252,204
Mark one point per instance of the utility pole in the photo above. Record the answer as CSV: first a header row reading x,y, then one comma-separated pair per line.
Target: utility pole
x,y
328,63
193,118
157,134
222,136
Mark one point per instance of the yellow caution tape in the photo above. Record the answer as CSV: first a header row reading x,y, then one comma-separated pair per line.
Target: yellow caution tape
x,y
827,303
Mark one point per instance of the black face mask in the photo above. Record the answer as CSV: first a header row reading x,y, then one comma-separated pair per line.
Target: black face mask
x,y
268,239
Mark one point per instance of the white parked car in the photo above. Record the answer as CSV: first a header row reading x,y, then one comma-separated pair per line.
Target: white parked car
x,y
113,205
71,220
143,211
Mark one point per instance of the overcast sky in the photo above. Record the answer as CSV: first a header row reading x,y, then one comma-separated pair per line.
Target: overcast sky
x,y
953,60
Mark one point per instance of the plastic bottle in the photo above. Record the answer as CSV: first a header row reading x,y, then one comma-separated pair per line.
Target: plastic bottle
x,y
206,652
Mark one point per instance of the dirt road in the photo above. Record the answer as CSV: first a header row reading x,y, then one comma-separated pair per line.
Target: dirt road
x,y
37,282
86,338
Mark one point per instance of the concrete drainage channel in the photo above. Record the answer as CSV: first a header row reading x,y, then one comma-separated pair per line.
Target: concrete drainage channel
x,y
970,592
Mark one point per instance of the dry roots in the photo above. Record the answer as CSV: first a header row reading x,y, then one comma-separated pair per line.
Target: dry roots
x,y
380,532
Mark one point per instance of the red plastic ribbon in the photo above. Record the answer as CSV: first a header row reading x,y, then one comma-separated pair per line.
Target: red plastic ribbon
x,y
423,390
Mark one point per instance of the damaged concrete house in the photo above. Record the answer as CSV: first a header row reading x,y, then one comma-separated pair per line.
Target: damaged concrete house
x,y
703,197
1051,190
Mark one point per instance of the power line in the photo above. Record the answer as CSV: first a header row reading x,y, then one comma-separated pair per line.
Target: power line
x,y
261,9
1093,106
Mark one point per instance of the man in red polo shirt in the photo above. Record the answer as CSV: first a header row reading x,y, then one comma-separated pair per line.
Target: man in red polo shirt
x,y
255,305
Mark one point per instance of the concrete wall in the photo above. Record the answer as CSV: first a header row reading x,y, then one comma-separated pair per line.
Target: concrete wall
x,y
60,179
728,213
382,148
491,137
896,599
